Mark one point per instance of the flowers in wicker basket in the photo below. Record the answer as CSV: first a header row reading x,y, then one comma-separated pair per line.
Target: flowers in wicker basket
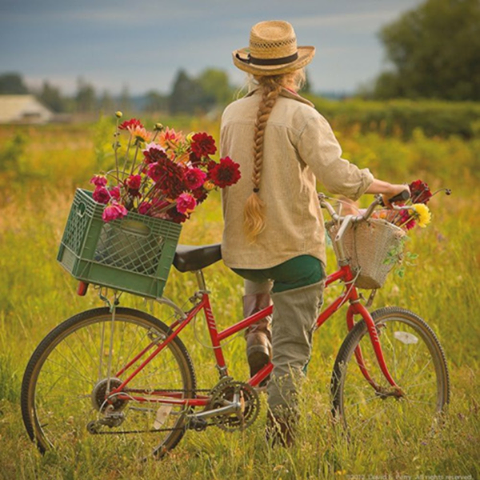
x,y
414,211
161,173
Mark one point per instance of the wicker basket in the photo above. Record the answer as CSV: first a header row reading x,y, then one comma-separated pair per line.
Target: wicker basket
x,y
372,248
133,254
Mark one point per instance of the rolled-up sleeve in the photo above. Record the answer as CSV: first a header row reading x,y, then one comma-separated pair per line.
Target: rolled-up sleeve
x,y
320,150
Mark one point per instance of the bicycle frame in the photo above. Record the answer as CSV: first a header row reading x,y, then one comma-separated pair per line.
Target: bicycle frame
x,y
350,294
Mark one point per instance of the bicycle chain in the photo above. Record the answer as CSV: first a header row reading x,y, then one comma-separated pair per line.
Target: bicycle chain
x,y
160,430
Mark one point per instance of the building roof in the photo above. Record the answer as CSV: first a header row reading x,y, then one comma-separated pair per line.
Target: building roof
x,y
23,109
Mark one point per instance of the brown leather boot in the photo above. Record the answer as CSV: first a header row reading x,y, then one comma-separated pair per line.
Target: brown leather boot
x,y
258,335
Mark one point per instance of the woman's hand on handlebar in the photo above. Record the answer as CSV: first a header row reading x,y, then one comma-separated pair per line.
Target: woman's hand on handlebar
x,y
390,192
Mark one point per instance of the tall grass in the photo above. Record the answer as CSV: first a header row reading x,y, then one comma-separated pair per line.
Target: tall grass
x,y
36,294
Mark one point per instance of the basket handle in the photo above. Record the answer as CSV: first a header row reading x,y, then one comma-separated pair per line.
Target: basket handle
x,y
81,209
134,227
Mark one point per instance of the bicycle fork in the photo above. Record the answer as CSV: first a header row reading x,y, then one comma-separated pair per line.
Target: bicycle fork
x,y
395,391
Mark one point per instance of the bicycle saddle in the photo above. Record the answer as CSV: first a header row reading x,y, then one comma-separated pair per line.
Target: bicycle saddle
x,y
189,257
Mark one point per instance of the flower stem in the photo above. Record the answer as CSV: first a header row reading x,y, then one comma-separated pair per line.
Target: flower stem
x,y
134,158
116,147
162,210
126,155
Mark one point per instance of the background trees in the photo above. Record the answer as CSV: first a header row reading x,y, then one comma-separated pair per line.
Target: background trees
x,y
191,95
209,91
12,84
435,52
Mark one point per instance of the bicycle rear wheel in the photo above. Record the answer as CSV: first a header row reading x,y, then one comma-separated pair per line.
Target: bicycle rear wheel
x,y
415,360
64,390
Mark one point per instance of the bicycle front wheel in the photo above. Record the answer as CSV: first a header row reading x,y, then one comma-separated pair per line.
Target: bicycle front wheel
x,y
362,397
65,391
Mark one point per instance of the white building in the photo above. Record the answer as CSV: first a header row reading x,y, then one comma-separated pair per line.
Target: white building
x,y
23,109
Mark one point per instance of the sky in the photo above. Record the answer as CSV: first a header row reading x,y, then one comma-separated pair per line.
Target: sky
x,y
141,44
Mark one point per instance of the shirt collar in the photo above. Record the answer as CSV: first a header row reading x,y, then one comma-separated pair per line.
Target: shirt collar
x,y
285,93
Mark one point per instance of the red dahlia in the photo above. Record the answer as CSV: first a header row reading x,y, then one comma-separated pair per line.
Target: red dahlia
x,y
194,160
168,177
175,216
225,173
200,195
133,184
154,155
203,145
419,192
130,123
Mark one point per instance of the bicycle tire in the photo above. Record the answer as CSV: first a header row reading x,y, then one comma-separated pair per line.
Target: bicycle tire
x,y
411,351
64,385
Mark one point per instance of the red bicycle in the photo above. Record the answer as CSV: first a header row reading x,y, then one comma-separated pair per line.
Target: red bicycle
x,y
121,375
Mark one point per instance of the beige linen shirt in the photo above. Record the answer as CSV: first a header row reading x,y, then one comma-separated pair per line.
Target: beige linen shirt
x,y
299,149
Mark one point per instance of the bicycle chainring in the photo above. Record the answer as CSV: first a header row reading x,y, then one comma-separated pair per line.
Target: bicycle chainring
x,y
223,393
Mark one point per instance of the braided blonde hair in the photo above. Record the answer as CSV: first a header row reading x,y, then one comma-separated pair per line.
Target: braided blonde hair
x,y
254,212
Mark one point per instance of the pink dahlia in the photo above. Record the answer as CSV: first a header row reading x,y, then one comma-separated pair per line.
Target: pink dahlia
x,y
186,203
99,180
114,211
101,195
194,178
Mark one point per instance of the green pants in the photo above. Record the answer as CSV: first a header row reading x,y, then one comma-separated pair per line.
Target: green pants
x,y
296,294
294,273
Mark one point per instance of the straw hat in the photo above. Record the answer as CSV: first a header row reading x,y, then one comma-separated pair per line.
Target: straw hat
x,y
273,50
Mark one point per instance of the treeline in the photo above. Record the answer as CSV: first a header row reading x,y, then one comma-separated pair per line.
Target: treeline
x,y
189,95
434,51
401,117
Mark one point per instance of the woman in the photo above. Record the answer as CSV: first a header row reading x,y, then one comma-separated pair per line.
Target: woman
x,y
274,231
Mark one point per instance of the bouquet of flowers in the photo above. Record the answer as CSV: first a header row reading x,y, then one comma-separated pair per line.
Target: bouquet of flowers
x,y
161,173
414,211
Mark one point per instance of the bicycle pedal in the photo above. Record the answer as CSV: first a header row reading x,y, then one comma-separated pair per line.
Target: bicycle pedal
x,y
197,424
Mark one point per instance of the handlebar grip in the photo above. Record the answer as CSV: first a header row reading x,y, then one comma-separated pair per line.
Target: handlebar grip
x,y
405,195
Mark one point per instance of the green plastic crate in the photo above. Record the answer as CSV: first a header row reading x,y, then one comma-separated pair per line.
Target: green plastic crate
x,y
133,254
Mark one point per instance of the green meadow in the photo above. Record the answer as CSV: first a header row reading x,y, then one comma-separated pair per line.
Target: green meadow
x,y
40,168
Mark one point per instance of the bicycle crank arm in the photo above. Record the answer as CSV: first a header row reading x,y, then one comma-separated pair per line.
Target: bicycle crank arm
x,y
234,407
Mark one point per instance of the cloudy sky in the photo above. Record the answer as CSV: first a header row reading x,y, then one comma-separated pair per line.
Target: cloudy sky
x,y
141,44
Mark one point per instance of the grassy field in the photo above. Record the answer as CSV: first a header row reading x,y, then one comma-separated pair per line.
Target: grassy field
x,y
41,166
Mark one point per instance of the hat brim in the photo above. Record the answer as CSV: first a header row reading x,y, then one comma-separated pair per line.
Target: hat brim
x,y
305,56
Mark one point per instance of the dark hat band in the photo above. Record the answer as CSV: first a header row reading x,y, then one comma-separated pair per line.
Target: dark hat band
x,y
268,61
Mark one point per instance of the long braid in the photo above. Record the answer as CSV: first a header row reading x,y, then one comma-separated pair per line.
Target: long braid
x,y
254,212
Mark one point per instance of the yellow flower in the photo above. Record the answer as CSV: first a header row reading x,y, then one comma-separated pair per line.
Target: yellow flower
x,y
422,214
119,114
208,185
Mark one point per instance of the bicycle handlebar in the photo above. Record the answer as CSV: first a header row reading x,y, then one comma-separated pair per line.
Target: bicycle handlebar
x,y
405,195
353,219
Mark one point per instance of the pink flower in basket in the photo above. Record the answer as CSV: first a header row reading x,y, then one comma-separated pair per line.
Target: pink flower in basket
x,y
114,211
186,203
